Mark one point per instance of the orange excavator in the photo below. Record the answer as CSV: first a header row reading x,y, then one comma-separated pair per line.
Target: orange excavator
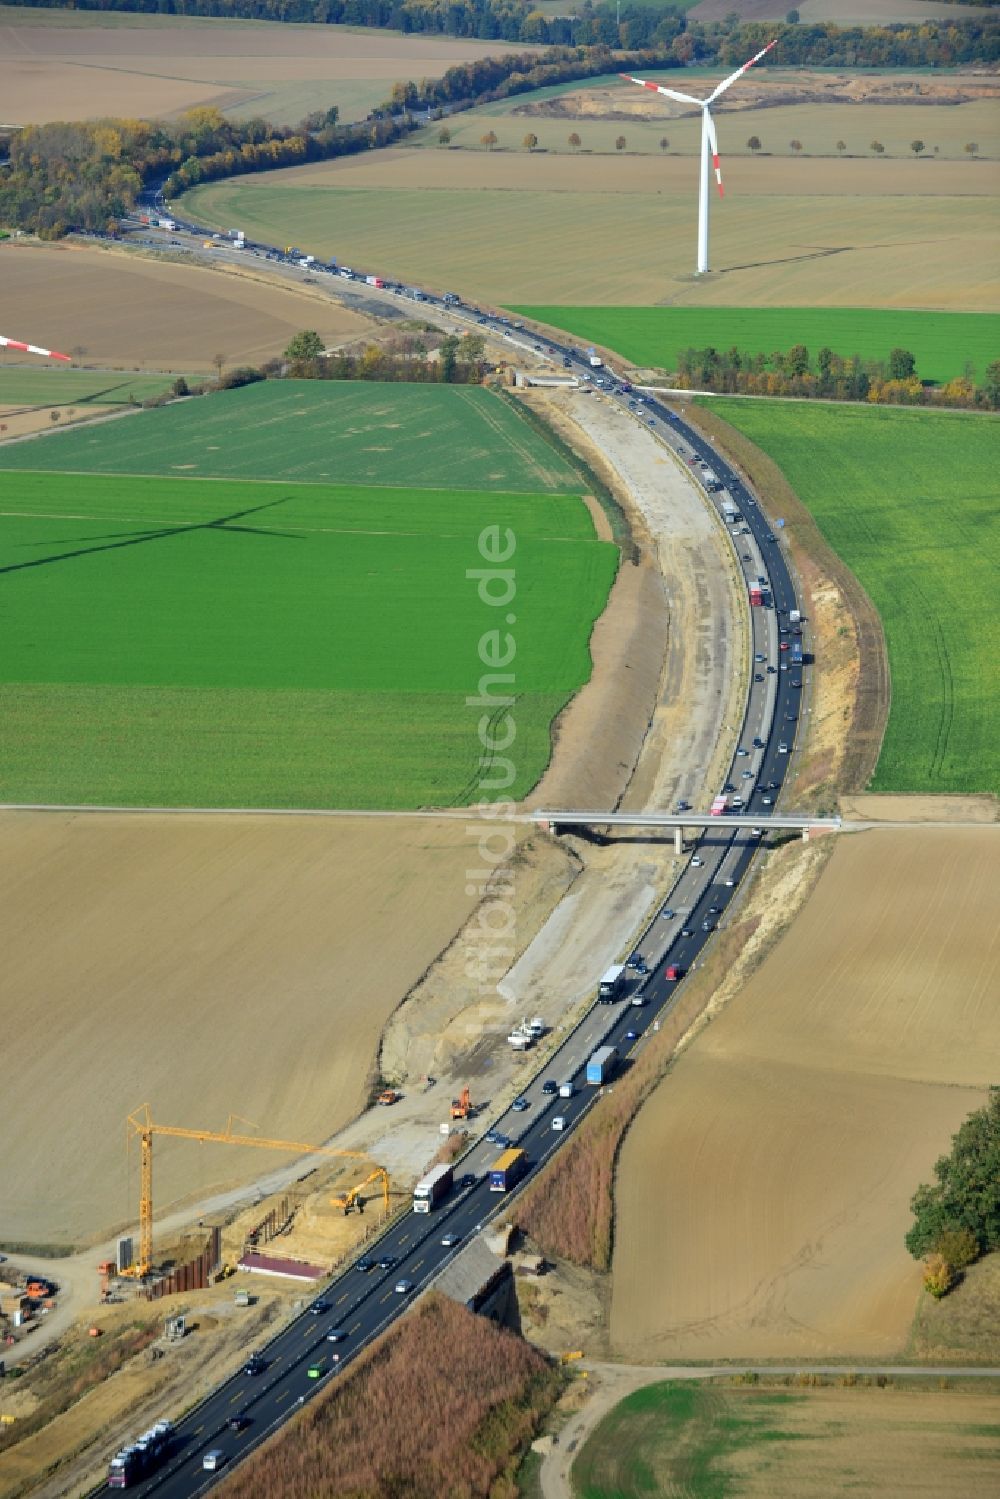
x,y
461,1107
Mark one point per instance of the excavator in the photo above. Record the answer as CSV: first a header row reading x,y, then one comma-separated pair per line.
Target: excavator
x,y
354,1200
462,1107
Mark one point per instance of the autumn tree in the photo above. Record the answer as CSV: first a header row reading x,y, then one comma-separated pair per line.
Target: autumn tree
x,y
444,136
971,147
575,141
664,143
877,147
620,143
530,141
916,147
795,145
754,143
488,140
841,145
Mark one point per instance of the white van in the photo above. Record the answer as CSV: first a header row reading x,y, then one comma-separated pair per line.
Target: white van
x,y
558,1123
212,1461
566,1090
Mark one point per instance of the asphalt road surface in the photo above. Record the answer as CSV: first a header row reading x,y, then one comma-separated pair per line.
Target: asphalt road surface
x,y
360,1304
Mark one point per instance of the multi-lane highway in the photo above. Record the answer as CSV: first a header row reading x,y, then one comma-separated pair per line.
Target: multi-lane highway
x,y
363,1300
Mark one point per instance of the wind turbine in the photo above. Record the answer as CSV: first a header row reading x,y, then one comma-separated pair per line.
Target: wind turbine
x,y
15,343
709,141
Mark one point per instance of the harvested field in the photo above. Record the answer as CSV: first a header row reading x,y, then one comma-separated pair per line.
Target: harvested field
x,y
127,311
842,12
204,964
856,1051
789,233
704,1441
155,66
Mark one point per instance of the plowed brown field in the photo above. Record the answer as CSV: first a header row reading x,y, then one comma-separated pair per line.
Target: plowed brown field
x,y
763,1192
205,964
112,308
76,67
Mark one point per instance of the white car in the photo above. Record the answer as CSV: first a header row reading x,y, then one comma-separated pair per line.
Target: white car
x,y
558,1123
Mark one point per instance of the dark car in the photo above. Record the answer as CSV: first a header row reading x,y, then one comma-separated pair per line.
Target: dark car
x,y
255,1364
770,536
387,1262
366,1264
238,1421
795,682
504,1141
758,676
758,742
519,1105
336,1335
550,1086
466,1181
319,1307
685,931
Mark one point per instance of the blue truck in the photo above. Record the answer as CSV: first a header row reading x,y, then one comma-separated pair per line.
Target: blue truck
x,y
601,1065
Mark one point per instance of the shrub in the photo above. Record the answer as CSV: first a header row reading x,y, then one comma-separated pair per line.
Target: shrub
x,y
939,1276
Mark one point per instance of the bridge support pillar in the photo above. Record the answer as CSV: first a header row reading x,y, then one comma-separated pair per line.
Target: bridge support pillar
x,y
678,841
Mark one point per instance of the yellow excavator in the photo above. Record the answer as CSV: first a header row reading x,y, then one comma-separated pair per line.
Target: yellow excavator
x,y
354,1200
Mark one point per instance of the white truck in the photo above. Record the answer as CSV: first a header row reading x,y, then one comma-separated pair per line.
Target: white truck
x,y
611,984
430,1189
594,362
520,1039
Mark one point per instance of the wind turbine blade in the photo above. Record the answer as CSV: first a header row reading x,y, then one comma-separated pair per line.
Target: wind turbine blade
x,y
15,343
713,140
740,71
659,89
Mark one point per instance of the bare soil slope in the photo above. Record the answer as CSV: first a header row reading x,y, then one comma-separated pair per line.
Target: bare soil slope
x,y
763,1191
113,308
205,964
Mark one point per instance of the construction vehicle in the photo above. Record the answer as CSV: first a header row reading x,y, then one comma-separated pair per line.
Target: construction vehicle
x,y
107,1269
389,1096
141,1124
461,1107
354,1202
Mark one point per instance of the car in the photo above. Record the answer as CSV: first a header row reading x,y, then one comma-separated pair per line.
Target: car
x,y
682,806
387,1262
748,775
758,743
714,910
743,752
492,1137
550,1086
795,682
697,862
365,1264
730,881
770,536
783,645
759,656
756,832
707,926
319,1307
466,1181
403,1287
789,717
567,1089
449,1241
758,676
784,666
558,1123
504,1141
566,362
747,557
672,973
668,913
255,1364
685,931
519,1105
768,801
213,1461
336,1335
782,629
772,671
238,1421
537,348
316,1370
737,801
632,1035
782,748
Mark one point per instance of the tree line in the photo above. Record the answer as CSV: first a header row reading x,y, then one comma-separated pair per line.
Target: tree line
x,y
793,372
957,1219
632,25
89,174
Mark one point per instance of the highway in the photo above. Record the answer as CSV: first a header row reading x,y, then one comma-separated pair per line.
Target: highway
x,y
361,1303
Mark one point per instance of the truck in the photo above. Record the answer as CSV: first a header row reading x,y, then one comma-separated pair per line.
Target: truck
x,y
432,1188
601,1065
508,1169
730,513
611,984
374,281
719,806
794,616
796,652
594,362
133,1463
520,1038
756,596
711,480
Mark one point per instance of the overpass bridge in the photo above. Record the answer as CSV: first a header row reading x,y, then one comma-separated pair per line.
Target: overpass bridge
x,y
556,822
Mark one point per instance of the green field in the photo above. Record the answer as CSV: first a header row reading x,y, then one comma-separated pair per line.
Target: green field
x,y
61,387
215,643
711,1441
942,342
909,500
422,436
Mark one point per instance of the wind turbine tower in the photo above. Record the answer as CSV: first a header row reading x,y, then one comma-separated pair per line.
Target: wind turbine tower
x,y
709,142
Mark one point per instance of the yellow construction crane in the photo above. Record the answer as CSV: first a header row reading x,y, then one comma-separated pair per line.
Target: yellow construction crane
x,y
352,1200
141,1124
